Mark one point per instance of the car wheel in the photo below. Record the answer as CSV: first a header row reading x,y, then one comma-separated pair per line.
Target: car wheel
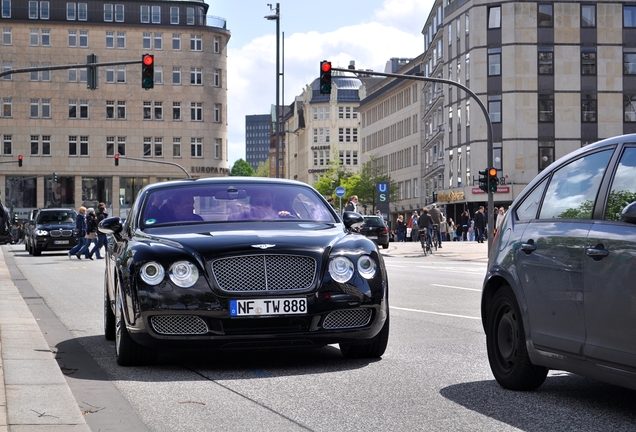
x,y
506,344
109,316
372,348
385,246
129,352
37,251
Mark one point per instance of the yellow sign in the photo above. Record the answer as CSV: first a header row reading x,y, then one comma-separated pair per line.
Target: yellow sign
x,y
451,196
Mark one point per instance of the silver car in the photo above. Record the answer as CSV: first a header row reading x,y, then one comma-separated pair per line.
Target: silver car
x,y
560,292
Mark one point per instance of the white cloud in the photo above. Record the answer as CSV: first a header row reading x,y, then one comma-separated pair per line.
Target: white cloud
x,y
395,32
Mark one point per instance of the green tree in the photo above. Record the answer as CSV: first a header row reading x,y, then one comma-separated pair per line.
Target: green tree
x,y
616,202
262,170
241,168
370,175
335,176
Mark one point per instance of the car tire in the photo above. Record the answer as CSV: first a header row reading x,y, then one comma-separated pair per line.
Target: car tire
x,y
37,251
129,352
506,345
385,246
109,316
372,348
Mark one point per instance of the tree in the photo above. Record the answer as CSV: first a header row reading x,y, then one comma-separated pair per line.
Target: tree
x,y
335,176
262,170
241,168
370,175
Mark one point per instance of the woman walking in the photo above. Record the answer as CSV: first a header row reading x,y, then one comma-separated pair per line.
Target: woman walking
x,y
80,234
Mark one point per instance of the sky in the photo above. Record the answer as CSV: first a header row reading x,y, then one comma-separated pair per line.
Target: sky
x,y
370,32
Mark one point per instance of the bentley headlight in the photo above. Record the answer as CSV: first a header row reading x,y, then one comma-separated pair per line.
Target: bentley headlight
x,y
41,233
184,274
341,269
152,273
366,267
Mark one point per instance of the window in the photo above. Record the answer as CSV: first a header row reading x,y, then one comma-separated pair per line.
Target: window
x,y
147,110
5,67
629,62
158,111
196,43
83,109
83,146
121,110
34,75
176,75
144,16
82,11
623,189
35,108
494,108
45,10
217,77
176,111
176,147
158,147
121,73
6,108
108,12
46,108
574,187
145,40
83,40
6,11
196,147
110,146
546,16
546,154
33,10
196,76
121,40
494,61
110,74
72,75
629,105
158,41
6,36
70,11
588,108
156,14
35,145
546,60
217,113
467,68
110,39
72,145
7,145
588,61
217,148
72,38
46,37
174,15
196,111
176,41
629,16
546,108
46,145
588,16
119,13
110,110
190,16
494,17
217,44
158,75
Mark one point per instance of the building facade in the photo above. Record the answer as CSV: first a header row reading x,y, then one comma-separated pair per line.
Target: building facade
x,y
258,130
59,126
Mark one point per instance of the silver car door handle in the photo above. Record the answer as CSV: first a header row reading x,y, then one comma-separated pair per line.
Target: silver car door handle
x,y
598,252
528,247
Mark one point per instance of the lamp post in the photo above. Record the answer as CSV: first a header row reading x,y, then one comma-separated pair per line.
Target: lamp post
x,y
276,17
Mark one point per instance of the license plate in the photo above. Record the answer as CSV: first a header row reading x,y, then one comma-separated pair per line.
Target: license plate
x,y
373,237
265,307
60,242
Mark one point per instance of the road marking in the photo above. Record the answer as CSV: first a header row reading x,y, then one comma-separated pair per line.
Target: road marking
x,y
455,287
434,313
393,265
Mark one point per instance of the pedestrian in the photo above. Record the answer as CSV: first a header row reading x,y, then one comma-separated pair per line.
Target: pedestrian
x,y
401,228
91,233
452,234
480,224
101,237
436,215
425,223
443,227
415,229
330,201
80,233
500,218
20,234
352,204
464,222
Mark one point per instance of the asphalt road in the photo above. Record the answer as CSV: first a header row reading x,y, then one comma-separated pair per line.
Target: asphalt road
x,y
433,376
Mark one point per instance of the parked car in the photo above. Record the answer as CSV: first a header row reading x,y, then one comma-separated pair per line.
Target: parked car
x,y
375,229
6,237
51,230
560,291
238,263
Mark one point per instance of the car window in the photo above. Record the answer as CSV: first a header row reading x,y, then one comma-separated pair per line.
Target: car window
x,y
373,222
623,190
574,187
56,217
527,209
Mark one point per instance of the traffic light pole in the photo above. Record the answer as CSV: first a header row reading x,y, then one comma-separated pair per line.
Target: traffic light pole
x,y
484,110
158,162
72,66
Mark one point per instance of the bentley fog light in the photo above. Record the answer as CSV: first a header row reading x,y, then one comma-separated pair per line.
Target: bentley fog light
x,y
366,267
152,273
184,274
341,269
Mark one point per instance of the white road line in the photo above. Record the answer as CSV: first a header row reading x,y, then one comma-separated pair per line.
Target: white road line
x,y
393,265
434,313
455,287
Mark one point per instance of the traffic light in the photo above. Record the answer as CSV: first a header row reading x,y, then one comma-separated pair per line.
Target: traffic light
x,y
325,77
117,159
147,71
54,177
483,180
19,160
493,181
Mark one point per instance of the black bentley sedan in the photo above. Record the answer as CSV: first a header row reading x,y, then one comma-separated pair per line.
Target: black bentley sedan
x,y
240,263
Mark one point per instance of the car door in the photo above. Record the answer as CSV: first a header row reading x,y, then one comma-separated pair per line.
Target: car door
x,y
610,273
552,253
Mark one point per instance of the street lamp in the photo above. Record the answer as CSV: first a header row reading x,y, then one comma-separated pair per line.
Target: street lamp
x,y
276,17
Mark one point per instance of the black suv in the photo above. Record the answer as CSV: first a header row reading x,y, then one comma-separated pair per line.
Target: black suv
x,y
51,230
375,229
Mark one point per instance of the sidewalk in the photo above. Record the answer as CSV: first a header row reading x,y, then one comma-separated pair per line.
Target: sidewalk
x,y
459,251
34,394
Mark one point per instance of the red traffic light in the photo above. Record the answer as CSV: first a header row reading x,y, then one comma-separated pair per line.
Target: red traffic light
x,y
117,159
20,160
325,66
148,59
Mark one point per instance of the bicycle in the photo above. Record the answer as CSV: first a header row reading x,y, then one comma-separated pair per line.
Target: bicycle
x,y
426,242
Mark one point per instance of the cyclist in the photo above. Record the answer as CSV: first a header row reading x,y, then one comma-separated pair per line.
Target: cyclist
x,y
426,224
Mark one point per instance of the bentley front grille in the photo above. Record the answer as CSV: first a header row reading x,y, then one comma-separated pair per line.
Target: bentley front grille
x,y
348,318
178,325
264,273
